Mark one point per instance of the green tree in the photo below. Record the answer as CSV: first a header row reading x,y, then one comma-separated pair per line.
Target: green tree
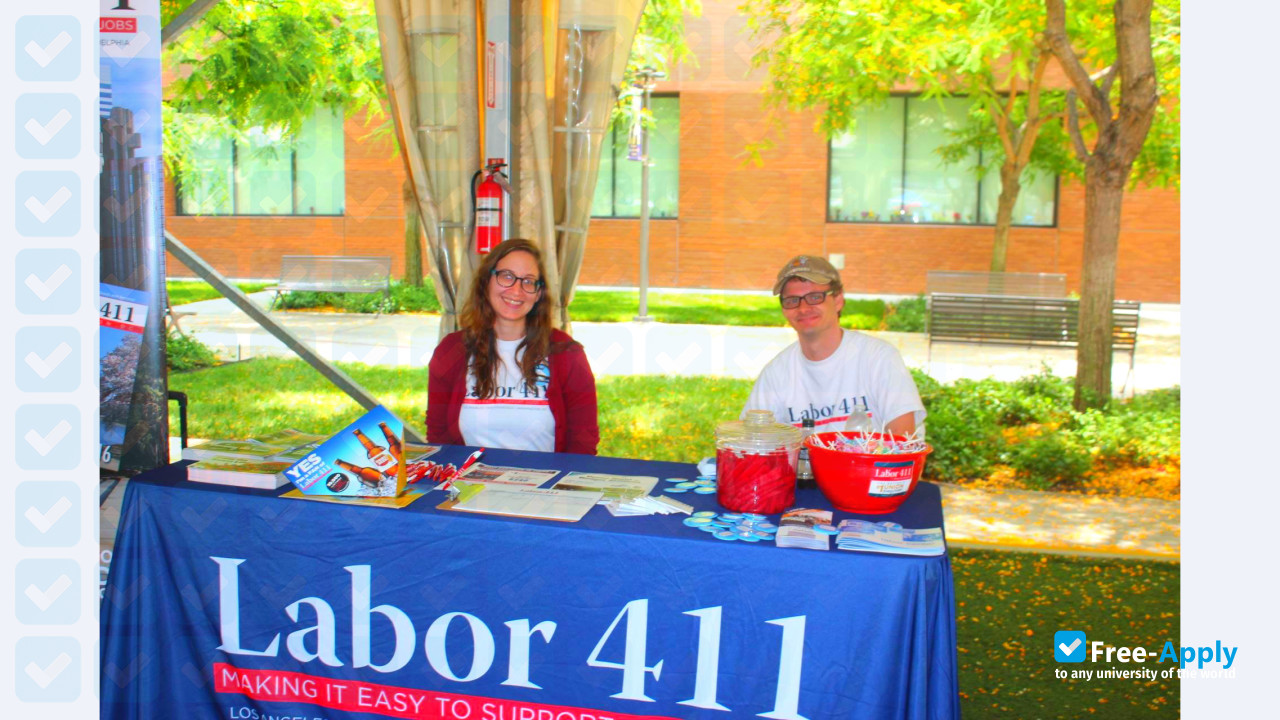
x,y
847,55
248,64
842,56
1132,133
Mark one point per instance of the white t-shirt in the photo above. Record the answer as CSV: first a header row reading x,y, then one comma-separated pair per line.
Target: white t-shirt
x,y
862,368
516,417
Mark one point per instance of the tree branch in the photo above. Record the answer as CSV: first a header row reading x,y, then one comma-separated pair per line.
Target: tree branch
x,y
1055,35
1031,126
1073,128
1002,124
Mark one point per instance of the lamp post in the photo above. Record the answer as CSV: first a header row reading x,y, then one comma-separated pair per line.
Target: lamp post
x,y
646,76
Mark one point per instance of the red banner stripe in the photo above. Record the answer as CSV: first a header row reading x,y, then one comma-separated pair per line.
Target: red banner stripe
x,y
826,421
391,701
121,326
504,401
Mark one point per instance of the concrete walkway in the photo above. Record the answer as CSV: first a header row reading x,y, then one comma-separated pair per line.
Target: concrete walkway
x,y
1008,519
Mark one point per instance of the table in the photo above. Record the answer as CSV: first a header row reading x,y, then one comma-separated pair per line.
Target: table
x,y
232,603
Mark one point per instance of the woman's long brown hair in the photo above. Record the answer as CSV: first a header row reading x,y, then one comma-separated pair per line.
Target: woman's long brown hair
x,y
478,317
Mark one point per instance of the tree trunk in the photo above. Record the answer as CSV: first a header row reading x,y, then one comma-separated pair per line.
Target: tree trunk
x,y
1104,192
412,238
1010,186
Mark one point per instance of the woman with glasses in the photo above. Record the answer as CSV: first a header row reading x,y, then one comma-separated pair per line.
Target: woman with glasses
x,y
508,379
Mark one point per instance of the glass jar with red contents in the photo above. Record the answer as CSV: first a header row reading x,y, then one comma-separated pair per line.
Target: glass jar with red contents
x,y
756,463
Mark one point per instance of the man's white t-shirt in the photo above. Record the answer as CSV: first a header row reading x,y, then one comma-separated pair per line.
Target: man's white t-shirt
x,y
862,369
516,417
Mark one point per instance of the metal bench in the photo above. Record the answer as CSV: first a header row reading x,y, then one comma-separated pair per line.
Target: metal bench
x,y
1024,322
333,273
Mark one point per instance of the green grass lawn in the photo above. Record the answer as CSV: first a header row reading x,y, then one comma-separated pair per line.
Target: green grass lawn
x,y
708,309
1008,605
182,292
659,418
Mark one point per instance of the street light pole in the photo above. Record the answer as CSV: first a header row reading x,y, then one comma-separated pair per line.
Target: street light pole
x,y
647,75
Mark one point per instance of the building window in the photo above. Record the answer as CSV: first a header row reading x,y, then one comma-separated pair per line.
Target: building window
x,y
888,170
618,184
268,175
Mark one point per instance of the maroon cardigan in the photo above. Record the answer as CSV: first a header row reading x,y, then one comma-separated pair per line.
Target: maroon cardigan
x,y
571,392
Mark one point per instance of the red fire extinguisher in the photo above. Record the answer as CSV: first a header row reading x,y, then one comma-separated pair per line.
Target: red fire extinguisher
x,y
487,189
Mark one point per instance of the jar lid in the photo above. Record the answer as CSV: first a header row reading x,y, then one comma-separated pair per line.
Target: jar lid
x,y
757,431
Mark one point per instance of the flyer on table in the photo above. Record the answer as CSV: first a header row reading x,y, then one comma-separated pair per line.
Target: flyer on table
x,y
365,459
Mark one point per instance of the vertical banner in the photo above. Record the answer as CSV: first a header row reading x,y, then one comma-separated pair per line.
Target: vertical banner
x,y
134,430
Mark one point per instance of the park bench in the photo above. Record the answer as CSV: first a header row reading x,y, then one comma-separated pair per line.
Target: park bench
x,y
1023,321
333,273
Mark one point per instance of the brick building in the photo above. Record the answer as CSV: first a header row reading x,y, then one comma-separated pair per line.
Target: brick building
x,y
730,224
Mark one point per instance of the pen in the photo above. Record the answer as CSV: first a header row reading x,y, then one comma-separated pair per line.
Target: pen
x,y
471,460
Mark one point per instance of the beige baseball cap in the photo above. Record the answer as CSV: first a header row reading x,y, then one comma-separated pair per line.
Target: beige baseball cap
x,y
807,267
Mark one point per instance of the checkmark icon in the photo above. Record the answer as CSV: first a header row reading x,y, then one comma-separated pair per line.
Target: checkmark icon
x,y
44,676
48,131
47,54
44,211
1066,646
46,365
44,521
44,444
44,598
44,288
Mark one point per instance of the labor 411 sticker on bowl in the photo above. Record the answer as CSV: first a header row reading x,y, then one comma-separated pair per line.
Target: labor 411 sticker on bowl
x,y
365,459
891,478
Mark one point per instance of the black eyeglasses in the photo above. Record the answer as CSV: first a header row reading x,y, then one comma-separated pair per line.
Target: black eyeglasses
x,y
792,302
506,278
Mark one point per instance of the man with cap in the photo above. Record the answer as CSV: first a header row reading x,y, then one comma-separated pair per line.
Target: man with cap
x,y
829,370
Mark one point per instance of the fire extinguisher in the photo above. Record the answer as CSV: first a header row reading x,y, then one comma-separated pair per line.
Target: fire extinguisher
x,y
487,189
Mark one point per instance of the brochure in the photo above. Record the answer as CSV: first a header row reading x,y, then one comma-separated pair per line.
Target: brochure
x,y
365,459
240,472
507,475
796,529
416,452
612,487
888,537
521,501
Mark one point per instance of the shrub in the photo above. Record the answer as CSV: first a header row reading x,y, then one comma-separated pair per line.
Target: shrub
x,y
1048,460
183,352
862,314
962,425
906,315
404,298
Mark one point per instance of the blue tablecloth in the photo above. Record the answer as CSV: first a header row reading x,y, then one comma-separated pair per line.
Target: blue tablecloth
x,y
232,603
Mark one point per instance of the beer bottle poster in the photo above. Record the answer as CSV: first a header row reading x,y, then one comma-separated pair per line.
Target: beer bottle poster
x,y
131,213
365,459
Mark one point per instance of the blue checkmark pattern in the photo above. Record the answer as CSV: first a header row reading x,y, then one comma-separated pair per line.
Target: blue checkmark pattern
x,y
52,94
1069,646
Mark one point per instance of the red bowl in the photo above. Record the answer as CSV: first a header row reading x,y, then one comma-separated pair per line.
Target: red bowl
x,y
861,483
